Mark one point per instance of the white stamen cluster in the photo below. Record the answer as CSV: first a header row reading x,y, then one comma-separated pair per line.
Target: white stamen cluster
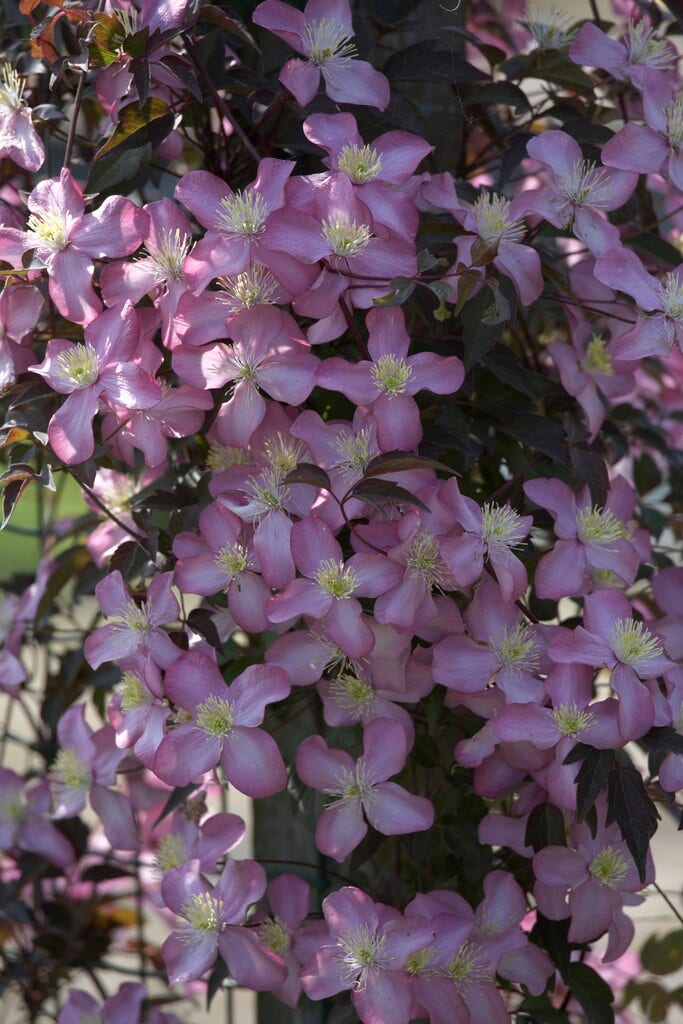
x,y
609,867
215,716
335,579
517,648
327,42
597,359
78,366
360,163
494,221
69,769
586,185
242,214
345,237
598,526
550,25
633,643
254,287
572,720
645,48
501,525
391,374
134,693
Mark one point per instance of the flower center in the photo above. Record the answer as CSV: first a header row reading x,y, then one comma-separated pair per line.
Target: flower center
x,y
51,228
267,493
671,291
424,561
500,525
421,961
644,48
78,366
232,559
494,223
572,720
204,913
609,867
391,374
11,88
352,694
215,716
241,364
361,163
673,114
598,526
275,934
169,258
335,580
550,26
134,694
468,966
283,454
134,617
518,649
586,185
242,214
69,769
171,852
326,40
223,456
362,950
117,496
353,785
254,287
355,451
11,808
633,643
597,358
345,237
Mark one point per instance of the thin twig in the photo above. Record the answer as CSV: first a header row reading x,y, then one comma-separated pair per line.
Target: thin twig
x,y
74,118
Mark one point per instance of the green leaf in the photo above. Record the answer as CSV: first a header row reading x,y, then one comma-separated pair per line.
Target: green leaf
x,y
400,289
634,812
545,827
379,493
594,994
139,126
663,955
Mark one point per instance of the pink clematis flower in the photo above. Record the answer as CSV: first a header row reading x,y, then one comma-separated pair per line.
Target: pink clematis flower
x,y
223,726
626,59
331,586
133,628
20,308
368,951
65,240
206,842
138,709
289,898
580,192
19,141
24,824
656,146
590,538
323,33
85,766
611,637
489,531
387,382
101,367
362,789
235,223
374,170
221,558
123,1008
212,924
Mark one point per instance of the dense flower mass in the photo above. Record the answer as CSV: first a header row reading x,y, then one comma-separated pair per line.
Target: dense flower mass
x,y
358,487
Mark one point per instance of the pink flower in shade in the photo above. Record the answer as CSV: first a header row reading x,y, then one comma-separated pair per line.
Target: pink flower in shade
x,y
235,223
116,491
353,697
489,532
590,538
323,33
360,789
667,587
374,170
85,766
160,271
65,240
625,59
387,382
656,146
369,948
331,587
133,628
19,141
610,636
588,370
580,192
505,648
123,1008
662,301
289,898
268,354
24,824
221,558
138,709
212,923
20,308
589,881
223,727
339,231
206,842
100,367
